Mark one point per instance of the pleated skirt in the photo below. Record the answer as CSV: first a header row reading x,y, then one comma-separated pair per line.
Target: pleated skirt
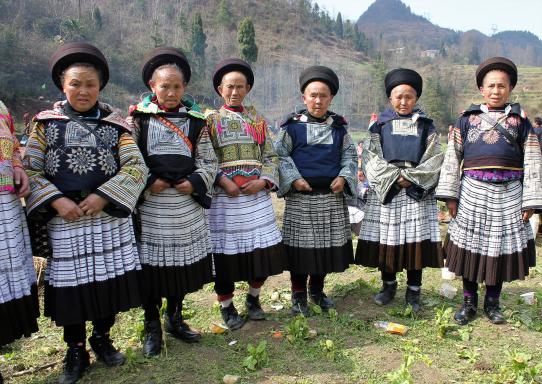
x,y
19,307
247,244
488,241
403,234
175,246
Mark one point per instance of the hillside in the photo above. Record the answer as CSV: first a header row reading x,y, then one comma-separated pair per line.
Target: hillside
x,y
290,34
393,25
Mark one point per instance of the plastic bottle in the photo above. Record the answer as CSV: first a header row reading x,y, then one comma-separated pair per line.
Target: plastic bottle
x,y
394,328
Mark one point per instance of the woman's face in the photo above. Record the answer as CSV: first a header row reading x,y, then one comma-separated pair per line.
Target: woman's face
x,y
496,88
317,98
403,98
169,86
82,87
234,88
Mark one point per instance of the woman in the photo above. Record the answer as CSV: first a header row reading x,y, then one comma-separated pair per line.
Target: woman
x,y
490,181
400,229
19,305
86,174
175,244
317,174
246,240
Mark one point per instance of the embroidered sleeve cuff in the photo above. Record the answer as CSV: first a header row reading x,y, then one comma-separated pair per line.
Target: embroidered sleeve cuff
x,y
114,207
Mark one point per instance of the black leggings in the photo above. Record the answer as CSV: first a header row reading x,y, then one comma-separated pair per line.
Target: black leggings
x,y
76,333
152,310
491,290
414,277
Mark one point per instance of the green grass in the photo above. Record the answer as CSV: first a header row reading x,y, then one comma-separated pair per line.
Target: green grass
x,y
346,347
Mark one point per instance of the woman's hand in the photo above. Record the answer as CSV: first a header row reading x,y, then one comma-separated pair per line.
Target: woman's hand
x,y
231,189
93,204
159,185
253,186
337,185
185,187
527,215
67,209
301,185
403,183
452,207
20,179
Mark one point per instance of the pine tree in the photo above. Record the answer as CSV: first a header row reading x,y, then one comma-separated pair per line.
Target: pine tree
x,y
246,36
197,37
97,18
339,30
223,16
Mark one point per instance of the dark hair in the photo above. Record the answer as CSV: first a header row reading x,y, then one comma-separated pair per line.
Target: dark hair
x,y
538,121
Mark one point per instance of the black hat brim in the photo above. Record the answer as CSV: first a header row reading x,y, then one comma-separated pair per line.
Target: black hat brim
x,y
72,53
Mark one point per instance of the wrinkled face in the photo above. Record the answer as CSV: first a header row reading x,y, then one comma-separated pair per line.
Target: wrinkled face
x,y
317,97
496,88
234,88
82,87
403,98
169,86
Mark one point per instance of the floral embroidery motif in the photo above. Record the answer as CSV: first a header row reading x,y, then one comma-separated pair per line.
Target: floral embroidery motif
x,y
107,161
475,120
52,161
81,160
513,121
108,135
473,134
491,137
51,134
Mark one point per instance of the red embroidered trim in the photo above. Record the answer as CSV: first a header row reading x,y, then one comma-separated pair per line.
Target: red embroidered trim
x,y
175,129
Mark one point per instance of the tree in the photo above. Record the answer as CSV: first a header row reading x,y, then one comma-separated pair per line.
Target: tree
x,y
198,38
339,25
97,17
246,36
223,15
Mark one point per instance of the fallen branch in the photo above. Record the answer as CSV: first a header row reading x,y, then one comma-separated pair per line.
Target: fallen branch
x,y
36,369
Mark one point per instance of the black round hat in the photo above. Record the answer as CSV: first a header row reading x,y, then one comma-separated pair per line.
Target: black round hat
x,y
319,73
78,52
161,56
231,65
400,76
493,63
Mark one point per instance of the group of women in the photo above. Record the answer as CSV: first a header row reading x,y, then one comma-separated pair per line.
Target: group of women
x,y
157,205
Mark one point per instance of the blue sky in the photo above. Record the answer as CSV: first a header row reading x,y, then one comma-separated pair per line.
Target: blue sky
x,y
462,15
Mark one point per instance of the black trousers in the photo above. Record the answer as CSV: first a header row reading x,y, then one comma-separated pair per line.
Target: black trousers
x,y
414,277
76,333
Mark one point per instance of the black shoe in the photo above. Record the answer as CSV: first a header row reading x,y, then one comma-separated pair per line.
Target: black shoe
x,y
386,294
75,363
152,345
177,328
104,350
231,317
412,298
299,303
319,298
467,312
493,311
254,308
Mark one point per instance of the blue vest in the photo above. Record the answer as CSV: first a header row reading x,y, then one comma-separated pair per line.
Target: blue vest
x,y
316,147
402,139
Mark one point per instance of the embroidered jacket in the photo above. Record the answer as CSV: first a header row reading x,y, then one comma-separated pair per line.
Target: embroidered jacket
x,y
242,145
317,151
65,159
176,146
406,146
9,150
475,145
